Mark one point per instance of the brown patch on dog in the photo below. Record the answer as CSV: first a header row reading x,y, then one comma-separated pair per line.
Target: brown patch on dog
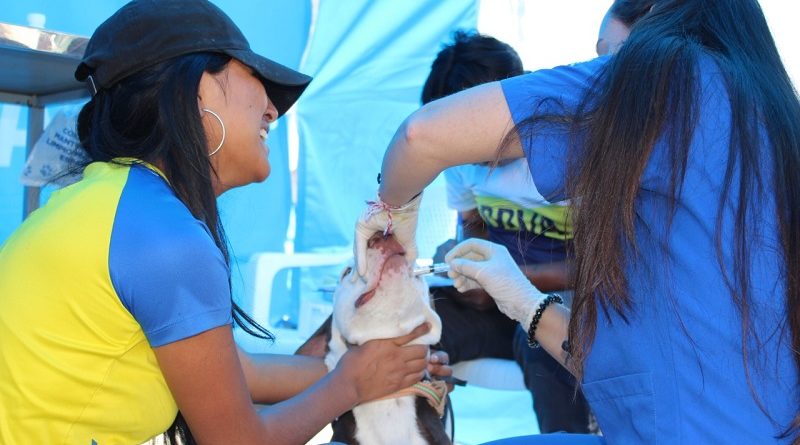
x,y
317,344
344,429
429,423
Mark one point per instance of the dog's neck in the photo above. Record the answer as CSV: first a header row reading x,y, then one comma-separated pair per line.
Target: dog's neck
x,y
398,305
385,421
390,421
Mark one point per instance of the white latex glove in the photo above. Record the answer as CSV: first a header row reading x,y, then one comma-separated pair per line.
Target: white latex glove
x,y
380,217
477,263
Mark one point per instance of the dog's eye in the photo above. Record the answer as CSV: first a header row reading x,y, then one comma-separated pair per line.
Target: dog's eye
x,y
346,272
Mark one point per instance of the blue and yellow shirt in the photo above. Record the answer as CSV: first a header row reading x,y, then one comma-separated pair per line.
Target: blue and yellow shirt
x,y
112,267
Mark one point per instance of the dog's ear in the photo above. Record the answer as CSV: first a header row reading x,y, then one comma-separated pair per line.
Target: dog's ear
x,y
317,344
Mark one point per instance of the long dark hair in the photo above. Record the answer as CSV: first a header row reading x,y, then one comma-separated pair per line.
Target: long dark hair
x,y
152,116
630,11
647,92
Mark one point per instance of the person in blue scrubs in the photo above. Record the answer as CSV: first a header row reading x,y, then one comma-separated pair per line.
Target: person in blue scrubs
x,y
679,154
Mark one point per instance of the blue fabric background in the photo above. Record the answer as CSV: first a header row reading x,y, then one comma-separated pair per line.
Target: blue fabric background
x,y
369,60
256,216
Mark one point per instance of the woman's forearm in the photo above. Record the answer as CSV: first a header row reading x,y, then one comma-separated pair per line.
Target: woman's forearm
x,y
552,331
273,378
463,128
400,182
305,414
548,277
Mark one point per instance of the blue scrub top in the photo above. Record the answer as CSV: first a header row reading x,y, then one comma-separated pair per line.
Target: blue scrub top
x,y
674,372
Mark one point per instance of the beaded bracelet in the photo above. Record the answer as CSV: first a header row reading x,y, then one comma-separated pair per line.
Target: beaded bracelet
x,y
552,298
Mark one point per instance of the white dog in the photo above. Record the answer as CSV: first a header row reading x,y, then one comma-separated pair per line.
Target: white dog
x,y
391,303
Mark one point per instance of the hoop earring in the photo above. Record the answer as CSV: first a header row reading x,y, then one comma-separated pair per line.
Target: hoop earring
x,y
222,124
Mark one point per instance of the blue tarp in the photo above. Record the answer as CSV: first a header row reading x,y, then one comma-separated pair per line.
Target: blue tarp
x,y
256,217
369,65
369,60
71,17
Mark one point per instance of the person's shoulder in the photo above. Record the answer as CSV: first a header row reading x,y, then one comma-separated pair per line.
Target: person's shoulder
x,y
148,206
152,225
553,80
163,262
551,91
579,70
590,65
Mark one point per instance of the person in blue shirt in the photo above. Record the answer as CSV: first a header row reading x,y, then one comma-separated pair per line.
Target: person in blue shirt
x,y
679,154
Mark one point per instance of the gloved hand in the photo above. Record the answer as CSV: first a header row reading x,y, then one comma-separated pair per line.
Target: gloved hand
x,y
380,217
477,263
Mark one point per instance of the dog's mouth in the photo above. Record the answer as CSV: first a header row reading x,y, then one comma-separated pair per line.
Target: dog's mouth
x,y
391,256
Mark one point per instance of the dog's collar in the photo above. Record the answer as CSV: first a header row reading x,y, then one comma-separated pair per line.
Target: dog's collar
x,y
434,392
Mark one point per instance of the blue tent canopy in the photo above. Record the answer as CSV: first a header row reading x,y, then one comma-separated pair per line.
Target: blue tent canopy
x,y
368,76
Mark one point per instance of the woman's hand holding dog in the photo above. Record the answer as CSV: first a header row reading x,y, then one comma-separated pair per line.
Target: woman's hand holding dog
x,y
380,367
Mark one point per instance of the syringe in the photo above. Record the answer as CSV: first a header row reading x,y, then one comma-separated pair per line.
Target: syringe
x,y
431,269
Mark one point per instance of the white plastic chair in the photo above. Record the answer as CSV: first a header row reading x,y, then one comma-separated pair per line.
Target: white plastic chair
x,y
259,276
492,373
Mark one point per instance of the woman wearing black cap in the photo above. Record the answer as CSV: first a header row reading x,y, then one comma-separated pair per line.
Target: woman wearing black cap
x,y
115,302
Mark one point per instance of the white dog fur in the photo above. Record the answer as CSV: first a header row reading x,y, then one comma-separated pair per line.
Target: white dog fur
x,y
401,302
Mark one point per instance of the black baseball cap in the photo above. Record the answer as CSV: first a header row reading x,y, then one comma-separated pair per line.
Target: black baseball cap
x,y
144,33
